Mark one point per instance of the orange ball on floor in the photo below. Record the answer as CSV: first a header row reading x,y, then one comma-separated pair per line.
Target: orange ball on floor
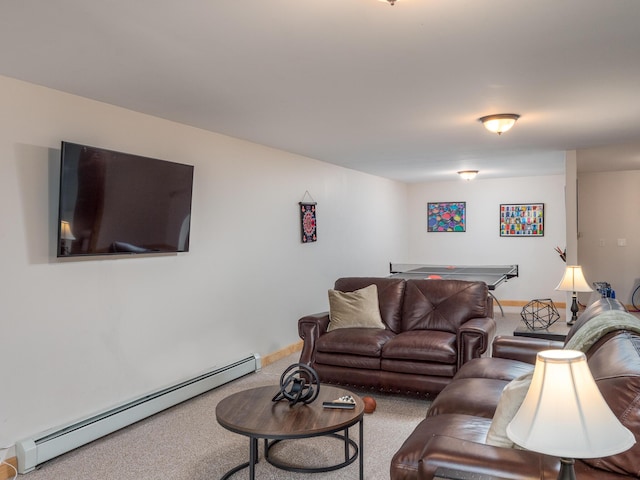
x,y
369,404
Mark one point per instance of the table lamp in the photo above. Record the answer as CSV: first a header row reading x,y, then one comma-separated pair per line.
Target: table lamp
x,y
565,415
574,282
66,236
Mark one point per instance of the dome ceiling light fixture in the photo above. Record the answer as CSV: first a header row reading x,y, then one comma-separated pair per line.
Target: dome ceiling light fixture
x,y
500,122
468,174
390,2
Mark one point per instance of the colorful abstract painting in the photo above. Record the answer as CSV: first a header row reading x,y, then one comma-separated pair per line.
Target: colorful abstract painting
x,y
308,222
522,220
447,217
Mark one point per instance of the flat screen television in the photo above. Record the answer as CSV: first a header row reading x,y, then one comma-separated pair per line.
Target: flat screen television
x,y
114,203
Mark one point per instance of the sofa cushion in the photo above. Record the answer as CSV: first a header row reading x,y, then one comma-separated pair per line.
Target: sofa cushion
x,y
365,342
354,309
442,304
471,396
406,461
429,369
353,362
495,368
422,345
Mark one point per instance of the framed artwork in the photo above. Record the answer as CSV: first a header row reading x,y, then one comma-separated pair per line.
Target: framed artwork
x,y
446,216
308,222
522,219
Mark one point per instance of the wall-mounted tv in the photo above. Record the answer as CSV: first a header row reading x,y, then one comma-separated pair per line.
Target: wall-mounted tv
x,y
114,203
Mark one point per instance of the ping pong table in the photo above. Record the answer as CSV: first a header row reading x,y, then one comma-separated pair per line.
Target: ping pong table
x,y
492,275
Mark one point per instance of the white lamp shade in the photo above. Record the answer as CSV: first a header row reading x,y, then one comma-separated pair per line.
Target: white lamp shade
x,y
564,414
573,280
65,231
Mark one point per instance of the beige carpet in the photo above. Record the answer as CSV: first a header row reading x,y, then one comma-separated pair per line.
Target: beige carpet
x,y
186,442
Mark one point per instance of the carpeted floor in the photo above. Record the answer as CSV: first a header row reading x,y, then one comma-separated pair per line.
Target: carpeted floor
x,y
186,442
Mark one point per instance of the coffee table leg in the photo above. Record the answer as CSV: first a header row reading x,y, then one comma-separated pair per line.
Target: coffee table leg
x,y
346,444
361,452
253,457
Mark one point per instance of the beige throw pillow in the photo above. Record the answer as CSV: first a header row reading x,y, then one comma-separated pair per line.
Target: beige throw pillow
x,y
354,309
509,404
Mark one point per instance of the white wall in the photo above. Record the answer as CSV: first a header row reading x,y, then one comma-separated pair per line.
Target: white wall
x,y
81,336
610,211
540,267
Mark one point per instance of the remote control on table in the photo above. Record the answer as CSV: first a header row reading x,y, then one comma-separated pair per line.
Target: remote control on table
x,y
343,402
338,405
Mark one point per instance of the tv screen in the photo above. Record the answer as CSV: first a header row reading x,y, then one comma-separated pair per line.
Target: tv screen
x,y
114,203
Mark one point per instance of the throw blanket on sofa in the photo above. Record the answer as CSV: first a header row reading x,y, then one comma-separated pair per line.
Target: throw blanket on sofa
x,y
594,329
515,391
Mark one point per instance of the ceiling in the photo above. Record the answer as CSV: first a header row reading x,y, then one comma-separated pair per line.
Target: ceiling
x,y
395,91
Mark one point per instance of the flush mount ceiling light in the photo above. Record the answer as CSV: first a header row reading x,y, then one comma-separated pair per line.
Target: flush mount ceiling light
x,y
390,2
499,123
468,174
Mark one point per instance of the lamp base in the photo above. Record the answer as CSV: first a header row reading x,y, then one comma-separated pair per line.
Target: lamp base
x,y
566,469
574,309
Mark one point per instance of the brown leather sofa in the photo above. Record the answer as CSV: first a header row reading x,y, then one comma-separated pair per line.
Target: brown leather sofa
x,y
432,328
454,433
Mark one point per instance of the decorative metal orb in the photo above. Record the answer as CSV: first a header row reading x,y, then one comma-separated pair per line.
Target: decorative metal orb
x,y
299,383
539,314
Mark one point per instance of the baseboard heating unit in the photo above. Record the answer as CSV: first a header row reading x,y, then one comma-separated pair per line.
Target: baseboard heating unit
x,y
35,451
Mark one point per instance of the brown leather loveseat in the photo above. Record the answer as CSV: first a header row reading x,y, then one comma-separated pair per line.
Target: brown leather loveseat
x,y
430,328
456,432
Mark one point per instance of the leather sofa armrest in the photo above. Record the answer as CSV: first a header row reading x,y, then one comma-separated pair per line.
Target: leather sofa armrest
x,y
474,337
449,452
310,327
523,349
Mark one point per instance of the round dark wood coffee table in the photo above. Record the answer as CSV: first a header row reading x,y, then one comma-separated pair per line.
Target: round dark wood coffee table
x,y
253,413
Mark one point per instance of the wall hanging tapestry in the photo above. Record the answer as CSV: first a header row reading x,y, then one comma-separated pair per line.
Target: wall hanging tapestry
x,y
522,220
446,216
308,222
